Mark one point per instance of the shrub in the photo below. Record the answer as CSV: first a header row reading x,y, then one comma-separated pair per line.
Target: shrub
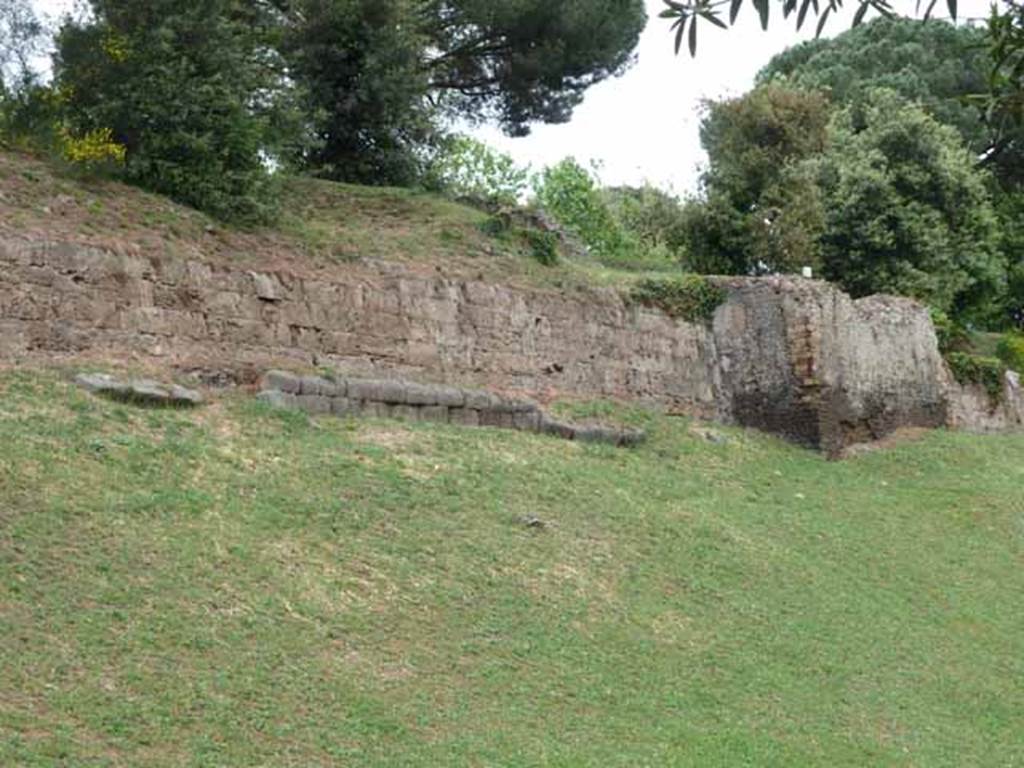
x,y
94,148
952,336
570,193
690,297
468,168
543,246
988,372
1011,351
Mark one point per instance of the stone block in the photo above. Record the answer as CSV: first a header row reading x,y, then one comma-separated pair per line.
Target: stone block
x,y
555,428
405,412
317,404
466,417
493,418
527,421
282,381
275,398
451,397
139,391
342,406
377,390
317,385
373,409
434,413
480,400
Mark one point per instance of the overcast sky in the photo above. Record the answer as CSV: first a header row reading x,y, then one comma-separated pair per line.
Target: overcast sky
x,y
643,126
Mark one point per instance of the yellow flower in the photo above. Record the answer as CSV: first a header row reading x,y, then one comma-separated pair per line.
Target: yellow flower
x,y
92,148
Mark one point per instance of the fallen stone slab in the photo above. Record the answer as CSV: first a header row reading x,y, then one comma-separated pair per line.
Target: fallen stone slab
x,y
412,401
139,391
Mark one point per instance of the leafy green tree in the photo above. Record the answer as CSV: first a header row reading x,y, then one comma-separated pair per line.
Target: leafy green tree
x,y
21,35
572,195
932,63
184,87
358,64
907,210
380,76
762,211
467,168
523,61
653,217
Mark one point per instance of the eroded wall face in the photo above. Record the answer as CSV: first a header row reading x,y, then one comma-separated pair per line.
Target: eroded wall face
x,y
792,357
363,320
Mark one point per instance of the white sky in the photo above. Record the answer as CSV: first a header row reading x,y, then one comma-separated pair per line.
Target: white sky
x,y
643,126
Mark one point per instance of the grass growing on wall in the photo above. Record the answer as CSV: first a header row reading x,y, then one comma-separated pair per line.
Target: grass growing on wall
x,y
235,586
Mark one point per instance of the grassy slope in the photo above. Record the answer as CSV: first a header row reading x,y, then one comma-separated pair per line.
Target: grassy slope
x,y
321,224
238,587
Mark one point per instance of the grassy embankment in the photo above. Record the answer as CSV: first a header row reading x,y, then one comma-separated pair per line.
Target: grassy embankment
x,y
321,224
237,587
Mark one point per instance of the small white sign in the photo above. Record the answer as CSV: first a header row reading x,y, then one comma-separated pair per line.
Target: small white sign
x,y
808,273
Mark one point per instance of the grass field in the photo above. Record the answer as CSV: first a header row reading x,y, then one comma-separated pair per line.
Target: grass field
x,y
239,587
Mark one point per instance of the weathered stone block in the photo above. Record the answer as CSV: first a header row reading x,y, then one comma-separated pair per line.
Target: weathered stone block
x,y
317,385
282,381
275,398
434,413
317,404
342,406
141,391
527,421
466,417
480,400
405,412
555,428
501,419
377,390
374,410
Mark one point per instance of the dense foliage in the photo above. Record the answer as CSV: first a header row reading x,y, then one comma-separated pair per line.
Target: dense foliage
x,y
907,210
469,169
1010,350
572,194
761,211
379,76
934,64
861,157
201,100
175,82
358,67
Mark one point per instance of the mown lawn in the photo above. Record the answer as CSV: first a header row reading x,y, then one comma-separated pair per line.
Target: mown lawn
x,y
238,587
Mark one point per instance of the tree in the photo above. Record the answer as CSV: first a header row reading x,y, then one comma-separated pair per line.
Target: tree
x,y
933,63
652,216
523,61
20,38
907,210
470,169
363,89
380,75
762,211
182,86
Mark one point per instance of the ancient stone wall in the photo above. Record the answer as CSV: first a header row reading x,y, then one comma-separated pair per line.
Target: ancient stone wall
x,y
790,356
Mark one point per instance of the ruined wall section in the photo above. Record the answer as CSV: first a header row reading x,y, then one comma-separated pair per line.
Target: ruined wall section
x,y
789,356
370,320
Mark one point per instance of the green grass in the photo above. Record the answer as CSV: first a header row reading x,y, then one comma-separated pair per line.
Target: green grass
x,y
238,587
